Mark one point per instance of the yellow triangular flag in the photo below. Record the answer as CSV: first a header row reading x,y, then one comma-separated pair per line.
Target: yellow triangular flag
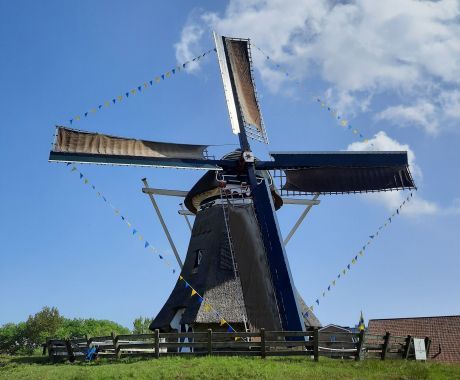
x,y
207,308
107,103
344,123
133,91
181,278
193,292
120,98
223,322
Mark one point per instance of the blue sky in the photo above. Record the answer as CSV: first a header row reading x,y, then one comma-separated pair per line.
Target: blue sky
x,y
391,70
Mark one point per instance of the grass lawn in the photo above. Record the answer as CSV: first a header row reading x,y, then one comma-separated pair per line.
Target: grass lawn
x,y
224,368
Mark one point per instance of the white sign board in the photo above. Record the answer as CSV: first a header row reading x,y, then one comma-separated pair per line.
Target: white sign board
x,y
420,350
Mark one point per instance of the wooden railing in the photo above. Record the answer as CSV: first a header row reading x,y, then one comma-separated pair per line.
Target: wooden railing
x,y
312,344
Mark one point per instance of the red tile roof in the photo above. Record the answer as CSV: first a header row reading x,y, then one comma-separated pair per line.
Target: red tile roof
x,y
444,333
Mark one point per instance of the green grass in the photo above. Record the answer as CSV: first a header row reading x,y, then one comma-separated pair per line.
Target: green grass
x,y
224,368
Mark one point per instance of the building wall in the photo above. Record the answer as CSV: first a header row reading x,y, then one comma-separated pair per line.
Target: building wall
x,y
444,333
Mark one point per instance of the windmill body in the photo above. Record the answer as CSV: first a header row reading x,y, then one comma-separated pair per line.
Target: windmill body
x,y
236,257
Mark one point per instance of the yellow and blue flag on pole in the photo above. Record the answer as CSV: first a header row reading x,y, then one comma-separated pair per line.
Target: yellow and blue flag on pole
x,y
361,325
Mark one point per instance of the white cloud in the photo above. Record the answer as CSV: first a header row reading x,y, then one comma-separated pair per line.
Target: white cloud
x,y
422,114
392,199
406,48
189,45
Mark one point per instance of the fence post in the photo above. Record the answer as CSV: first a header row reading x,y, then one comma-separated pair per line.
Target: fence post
x,y
263,347
427,346
360,346
209,341
69,350
407,347
115,345
316,344
157,343
386,343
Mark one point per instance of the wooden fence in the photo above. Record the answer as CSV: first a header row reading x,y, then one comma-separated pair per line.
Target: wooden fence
x,y
310,344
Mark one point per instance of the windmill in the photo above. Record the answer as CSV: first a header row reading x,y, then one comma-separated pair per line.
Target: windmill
x,y
236,256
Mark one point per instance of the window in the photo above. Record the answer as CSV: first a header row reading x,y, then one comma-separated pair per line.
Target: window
x,y
198,258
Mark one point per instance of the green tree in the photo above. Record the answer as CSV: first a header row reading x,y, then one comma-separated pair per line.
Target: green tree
x,y
42,325
13,338
141,325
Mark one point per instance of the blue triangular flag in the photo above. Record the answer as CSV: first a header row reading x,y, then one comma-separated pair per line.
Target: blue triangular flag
x,y
105,200
397,211
161,257
139,88
71,121
173,71
99,106
317,301
146,244
329,288
81,175
162,76
122,217
186,284
348,266
134,231
200,299
114,101
371,236
151,82
127,94
86,114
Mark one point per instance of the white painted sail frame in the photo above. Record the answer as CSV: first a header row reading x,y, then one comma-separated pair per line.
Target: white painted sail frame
x,y
224,72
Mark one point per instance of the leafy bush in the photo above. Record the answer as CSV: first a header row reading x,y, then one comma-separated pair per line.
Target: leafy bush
x,y
25,337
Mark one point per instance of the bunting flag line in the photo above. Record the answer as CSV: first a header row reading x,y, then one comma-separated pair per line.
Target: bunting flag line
x,y
341,120
139,89
372,237
207,307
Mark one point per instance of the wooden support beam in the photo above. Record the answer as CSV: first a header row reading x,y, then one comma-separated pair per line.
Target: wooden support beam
x,y
301,218
163,224
167,192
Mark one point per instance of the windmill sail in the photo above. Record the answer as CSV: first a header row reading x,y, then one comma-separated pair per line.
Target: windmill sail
x,y
78,146
341,172
236,70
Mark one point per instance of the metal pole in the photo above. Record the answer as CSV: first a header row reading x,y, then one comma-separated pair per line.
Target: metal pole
x,y
186,217
163,224
299,221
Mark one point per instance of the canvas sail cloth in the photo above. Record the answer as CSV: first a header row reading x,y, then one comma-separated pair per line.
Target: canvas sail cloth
x,y
241,69
348,180
73,141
